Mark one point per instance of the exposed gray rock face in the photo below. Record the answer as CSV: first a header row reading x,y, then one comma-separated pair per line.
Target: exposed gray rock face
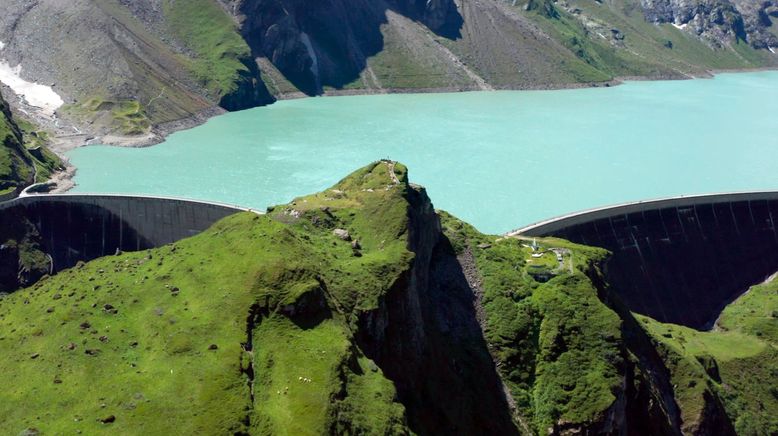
x,y
717,21
758,16
88,53
425,337
114,51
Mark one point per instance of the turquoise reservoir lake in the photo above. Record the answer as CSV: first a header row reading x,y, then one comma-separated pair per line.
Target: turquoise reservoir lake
x,y
499,160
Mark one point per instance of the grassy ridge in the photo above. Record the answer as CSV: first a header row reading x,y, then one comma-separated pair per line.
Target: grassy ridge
x,y
557,343
198,337
560,351
645,49
251,326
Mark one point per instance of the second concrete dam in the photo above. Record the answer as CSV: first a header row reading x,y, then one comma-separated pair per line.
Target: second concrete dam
x,y
679,260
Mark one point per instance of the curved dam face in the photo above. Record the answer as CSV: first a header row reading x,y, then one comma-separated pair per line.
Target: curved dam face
x,y
679,260
72,228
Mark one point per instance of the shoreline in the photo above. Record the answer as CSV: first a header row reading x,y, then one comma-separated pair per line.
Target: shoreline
x,y
62,144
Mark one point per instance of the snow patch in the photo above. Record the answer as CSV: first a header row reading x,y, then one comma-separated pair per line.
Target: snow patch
x,y
680,26
37,95
2,45
771,49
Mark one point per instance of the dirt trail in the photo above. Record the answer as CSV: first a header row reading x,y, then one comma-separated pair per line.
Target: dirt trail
x,y
395,180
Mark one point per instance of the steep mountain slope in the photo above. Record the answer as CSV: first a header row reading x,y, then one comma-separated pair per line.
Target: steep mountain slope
x,y
488,44
128,65
23,159
146,67
16,168
734,365
360,309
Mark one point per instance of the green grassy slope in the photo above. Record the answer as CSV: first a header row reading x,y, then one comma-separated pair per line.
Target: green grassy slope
x,y
22,153
206,29
262,325
199,337
558,344
737,361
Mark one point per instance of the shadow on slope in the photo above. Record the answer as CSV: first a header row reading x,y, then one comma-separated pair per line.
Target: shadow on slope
x,y
327,43
427,340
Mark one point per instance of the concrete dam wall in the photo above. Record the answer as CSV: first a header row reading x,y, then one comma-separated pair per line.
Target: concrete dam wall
x,y
679,260
84,227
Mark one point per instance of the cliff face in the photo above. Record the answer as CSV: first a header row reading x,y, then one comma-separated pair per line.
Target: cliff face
x,y
425,336
758,17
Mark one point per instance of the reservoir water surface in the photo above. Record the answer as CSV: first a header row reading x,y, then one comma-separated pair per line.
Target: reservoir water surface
x,y
498,160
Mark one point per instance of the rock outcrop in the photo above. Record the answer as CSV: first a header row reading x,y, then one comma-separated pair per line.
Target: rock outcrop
x,y
758,19
720,22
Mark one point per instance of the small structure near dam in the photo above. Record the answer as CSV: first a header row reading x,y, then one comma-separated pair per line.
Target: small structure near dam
x,y
72,227
682,259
